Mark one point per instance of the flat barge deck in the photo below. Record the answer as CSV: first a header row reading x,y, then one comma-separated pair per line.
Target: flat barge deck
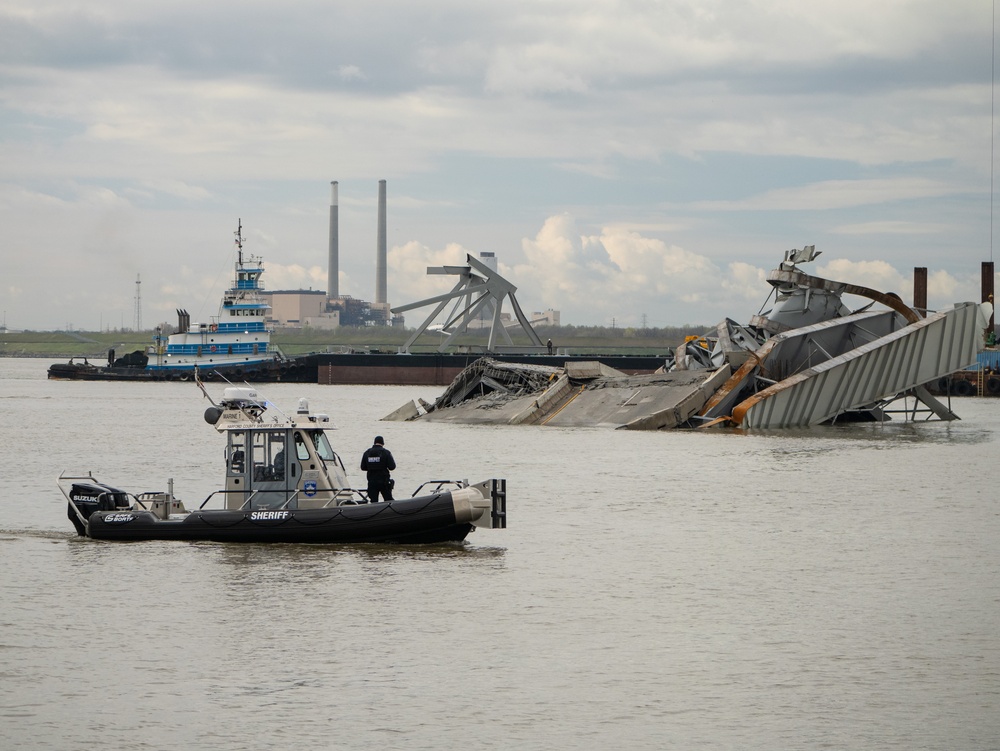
x,y
440,369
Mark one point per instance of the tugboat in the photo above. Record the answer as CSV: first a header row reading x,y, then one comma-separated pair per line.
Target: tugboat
x,y
283,483
238,336
234,345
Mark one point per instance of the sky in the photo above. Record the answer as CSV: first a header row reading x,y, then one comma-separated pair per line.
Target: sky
x,y
630,162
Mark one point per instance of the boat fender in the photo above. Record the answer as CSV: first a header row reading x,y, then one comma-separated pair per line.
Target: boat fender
x,y
993,385
212,415
962,388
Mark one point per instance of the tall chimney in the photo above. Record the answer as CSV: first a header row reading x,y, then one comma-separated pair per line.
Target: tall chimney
x,y
380,286
333,263
987,282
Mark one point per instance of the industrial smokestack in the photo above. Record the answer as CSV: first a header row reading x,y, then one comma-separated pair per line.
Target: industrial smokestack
x,y
333,265
987,282
380,286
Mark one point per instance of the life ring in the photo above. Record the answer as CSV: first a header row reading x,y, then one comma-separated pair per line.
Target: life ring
x,y
962,388
213,327
993,385
212,348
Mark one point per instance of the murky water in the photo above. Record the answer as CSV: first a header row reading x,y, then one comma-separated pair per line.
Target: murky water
x,y
831,588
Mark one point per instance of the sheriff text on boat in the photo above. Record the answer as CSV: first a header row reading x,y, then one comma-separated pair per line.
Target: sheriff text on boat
x,y
283,483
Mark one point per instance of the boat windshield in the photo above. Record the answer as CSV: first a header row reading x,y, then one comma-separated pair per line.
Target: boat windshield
x,y
323,448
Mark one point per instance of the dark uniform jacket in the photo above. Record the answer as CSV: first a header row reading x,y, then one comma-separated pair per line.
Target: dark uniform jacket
x,y
377,462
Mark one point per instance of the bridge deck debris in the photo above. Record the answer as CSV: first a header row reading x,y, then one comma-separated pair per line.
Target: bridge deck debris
x,y
807,360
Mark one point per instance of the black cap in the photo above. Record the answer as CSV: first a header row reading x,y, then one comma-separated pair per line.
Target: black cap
x,y
379,441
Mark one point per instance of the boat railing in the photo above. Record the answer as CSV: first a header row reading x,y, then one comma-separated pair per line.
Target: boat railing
x,y
101,497
438,485
248,502
346,497
338,498
59,483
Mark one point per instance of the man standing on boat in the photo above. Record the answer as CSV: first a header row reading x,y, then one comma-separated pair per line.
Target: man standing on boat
x,y
378,462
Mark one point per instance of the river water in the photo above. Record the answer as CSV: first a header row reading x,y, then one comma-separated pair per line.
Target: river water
x,y
829,588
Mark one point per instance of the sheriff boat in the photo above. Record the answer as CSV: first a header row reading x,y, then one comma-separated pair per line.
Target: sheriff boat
x,y
283,483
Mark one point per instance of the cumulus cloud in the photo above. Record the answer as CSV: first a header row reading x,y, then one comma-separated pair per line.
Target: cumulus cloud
x,y
877,275
294,276
622,275
943,287
411,283
625,276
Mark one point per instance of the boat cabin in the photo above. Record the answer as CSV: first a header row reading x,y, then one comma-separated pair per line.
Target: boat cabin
x,y
284,463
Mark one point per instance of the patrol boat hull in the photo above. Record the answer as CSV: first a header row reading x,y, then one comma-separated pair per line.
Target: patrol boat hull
x,y
283,483
428,519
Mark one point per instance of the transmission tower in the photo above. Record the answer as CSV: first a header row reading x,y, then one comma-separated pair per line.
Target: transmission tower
x,y
138,304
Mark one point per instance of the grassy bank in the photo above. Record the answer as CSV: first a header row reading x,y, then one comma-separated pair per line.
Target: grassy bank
x,y
570,339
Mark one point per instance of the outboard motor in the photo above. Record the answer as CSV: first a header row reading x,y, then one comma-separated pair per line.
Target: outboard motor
x,y
91,497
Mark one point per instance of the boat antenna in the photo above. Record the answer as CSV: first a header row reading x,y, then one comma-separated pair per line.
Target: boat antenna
x,y
239,240
199,384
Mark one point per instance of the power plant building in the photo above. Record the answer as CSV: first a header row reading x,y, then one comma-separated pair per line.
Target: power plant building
x,y
549,318
298,308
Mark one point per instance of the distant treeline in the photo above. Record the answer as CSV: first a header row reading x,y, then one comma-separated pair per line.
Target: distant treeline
x,y
299,341
667,333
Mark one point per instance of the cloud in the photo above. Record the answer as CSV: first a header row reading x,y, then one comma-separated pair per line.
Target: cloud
x,y
836,194
294,276
350,73
408,264
179,189
618,274
636,145
877,275
944,287
890,228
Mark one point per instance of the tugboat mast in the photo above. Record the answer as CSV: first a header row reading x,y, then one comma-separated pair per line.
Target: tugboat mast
x,y
239,240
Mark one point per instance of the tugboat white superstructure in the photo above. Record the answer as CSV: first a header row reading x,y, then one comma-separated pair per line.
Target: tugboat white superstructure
x,y
283,483
238,335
